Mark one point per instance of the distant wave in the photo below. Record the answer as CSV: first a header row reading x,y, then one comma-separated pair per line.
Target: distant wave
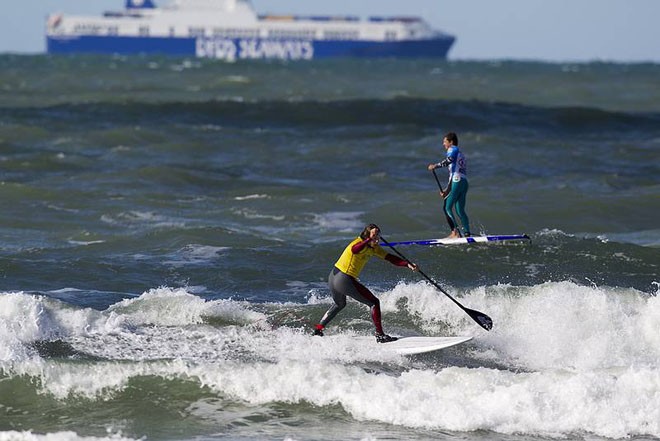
x,y
477,115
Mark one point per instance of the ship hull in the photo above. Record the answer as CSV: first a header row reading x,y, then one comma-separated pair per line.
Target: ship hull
x,y
239,49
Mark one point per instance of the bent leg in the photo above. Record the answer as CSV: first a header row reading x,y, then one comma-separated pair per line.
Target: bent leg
x,y
363,295
342,285
337,287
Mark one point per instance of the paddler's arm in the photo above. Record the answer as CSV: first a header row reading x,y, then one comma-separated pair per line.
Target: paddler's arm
x,y
395,260
373,238
360,245
443,163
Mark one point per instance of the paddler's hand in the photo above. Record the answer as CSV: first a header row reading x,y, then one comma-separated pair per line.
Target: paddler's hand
x,y
413,266
374,237
432,167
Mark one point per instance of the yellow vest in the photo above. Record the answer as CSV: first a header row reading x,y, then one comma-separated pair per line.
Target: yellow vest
x,y
352,264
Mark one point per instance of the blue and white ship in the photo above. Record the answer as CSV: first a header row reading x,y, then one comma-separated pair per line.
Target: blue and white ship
x,y
231,30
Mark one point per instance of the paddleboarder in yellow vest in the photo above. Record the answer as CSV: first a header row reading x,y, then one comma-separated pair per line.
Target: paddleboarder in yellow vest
x,y
343,279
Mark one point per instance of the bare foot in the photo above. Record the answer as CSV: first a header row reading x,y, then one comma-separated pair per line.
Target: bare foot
x,y
454,235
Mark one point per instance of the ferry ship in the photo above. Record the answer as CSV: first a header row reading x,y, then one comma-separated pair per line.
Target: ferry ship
x,y
231,30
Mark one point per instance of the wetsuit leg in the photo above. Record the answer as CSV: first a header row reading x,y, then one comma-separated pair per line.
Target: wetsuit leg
x,y
460,206
450,220
450,201
343,285
338,296
365,296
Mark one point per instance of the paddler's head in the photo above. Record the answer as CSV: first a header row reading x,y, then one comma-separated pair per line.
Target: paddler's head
x,y
371,231
449,140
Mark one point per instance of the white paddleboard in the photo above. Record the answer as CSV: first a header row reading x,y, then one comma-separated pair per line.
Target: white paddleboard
x,y
465,240
419,344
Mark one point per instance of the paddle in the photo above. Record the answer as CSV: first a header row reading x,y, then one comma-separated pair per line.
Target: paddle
x,y
437,180
482,319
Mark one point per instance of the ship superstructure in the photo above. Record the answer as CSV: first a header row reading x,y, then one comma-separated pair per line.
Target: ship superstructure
x,y
231,30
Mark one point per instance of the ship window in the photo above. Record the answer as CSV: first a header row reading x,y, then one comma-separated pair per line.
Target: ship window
x,y
144,31
85,29
113,30
171,31
195,32
341,35
390,35
292,33
235,33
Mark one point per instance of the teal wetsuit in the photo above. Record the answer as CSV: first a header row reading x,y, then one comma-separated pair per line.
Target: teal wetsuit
x,y
458,188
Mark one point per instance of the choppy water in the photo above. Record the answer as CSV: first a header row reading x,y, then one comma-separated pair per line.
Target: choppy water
x,y
167,227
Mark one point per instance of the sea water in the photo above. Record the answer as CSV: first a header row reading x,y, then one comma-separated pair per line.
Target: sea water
x,y
168,225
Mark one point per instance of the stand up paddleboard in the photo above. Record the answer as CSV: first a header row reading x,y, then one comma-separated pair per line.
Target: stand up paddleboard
x,y
418,345
466,240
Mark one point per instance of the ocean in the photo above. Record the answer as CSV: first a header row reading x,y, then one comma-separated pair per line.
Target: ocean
x,y
168,226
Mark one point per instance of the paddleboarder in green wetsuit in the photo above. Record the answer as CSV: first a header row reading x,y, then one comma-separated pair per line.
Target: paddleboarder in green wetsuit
x,y
343,279
455,193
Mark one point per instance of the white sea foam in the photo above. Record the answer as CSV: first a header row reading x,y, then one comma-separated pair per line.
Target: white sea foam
x,y
195,254
567,326
253,214
552,233
251,196
343,221
548,326
57,436
85,243
27,318
136,218
570,359
18,317
617,404
177,307
614,403
647,238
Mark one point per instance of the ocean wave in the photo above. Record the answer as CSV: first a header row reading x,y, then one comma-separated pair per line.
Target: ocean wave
x,y
30,435
577,358
546,316
29,319
647,238
480,116
615,403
